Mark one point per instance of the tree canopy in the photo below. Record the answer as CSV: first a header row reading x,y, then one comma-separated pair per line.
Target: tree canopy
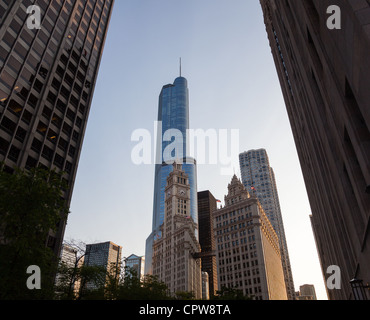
x,y
31,205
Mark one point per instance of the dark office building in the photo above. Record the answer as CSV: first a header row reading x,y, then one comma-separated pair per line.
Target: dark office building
x,y
207,204
321,50
48,69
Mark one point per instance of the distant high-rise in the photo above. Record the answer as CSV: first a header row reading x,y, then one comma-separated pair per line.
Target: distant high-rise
x,y
247,247
69,257
207,204
307,292
257,174
137,264
48,70
321,51
105,254
173,122
175,252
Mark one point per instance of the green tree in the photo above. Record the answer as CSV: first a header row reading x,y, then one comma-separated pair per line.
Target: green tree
x,y
93,280
184,295
31,205
230,294
147,288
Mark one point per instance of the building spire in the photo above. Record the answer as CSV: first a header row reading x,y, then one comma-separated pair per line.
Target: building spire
x,y
180,66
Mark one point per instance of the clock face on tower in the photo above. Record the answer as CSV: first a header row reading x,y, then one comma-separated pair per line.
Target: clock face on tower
x,y
168,192
181,192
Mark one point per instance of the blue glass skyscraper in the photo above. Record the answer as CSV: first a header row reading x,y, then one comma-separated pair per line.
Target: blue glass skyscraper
x,y
173,122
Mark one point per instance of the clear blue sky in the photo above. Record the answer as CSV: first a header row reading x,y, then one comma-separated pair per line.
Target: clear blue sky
x,y
233,84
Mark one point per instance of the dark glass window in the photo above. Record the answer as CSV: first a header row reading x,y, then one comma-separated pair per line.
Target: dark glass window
x,y
20,50
20,134
58,161
7,79
52,136
14,153
8,125
51,97
72,151
57,121
27,116
15,26
36,145
67,129
4,145
38,86
68,167
47,153
14,64
15,107
26,36
3,53
41,128
31,163
32,100
61,106
46,112
8,38
27,75
63,144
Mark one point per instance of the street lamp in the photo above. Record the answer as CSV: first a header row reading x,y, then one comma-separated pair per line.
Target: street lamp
x,y
358,289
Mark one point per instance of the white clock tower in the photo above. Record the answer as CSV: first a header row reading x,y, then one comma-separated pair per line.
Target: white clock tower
x,y
175,259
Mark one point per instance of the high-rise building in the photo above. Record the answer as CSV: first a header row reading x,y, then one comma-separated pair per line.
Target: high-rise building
x,y
205,286
321,52
307,292
137,264
175,251
173,122
104,254
247,247
207,204
69,257
256,173
48,70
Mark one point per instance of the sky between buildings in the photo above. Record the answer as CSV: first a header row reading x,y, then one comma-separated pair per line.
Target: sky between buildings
x,y
233,85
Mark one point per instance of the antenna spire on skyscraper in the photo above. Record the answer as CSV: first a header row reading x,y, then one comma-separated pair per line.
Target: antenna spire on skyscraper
x,y
180,67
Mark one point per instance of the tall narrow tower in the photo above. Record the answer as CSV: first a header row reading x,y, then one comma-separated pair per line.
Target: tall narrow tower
x,y
173,122
48,71
175,254
257,174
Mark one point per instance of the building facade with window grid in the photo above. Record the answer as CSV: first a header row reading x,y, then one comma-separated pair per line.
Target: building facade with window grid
x,y
207,204
256,172
47,79
247,247
324,75
105,254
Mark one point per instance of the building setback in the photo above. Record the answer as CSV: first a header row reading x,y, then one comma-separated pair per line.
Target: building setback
x,y
175,252
247,247
324,75
256,172
207,204
47,80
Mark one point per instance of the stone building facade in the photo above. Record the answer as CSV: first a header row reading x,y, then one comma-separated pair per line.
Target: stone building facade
x,y
321,50
247,247
175,250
